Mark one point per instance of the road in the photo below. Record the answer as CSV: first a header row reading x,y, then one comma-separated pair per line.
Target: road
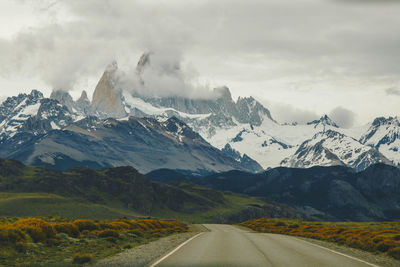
x,y
227,245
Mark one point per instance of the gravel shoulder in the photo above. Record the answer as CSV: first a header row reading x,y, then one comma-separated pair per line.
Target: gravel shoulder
x,y
379,260
144,255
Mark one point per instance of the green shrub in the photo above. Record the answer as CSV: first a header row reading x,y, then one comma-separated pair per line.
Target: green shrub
x,y
86,225
386,245
395,253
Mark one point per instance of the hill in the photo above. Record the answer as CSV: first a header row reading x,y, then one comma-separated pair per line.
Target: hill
x,y
121,191
323,193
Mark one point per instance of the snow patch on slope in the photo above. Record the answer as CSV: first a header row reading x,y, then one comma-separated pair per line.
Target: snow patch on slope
x,y
147,108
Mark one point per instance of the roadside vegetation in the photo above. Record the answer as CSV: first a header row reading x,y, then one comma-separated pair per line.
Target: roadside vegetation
x,y
55,241
376,237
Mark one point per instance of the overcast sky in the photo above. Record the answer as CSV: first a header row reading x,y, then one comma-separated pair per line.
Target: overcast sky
x,y
300,58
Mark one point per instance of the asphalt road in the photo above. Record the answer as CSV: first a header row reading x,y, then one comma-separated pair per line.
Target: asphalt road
x,y
227,245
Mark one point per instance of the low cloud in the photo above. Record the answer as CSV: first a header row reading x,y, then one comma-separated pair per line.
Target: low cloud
x,y
284,113
163,74
393,91
343,117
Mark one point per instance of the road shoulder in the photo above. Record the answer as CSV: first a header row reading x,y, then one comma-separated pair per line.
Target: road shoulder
x,y
379,260
145,254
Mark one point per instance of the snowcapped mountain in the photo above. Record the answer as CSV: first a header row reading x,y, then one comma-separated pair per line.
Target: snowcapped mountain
x,y
145,143
384,135
331,148
323,121
32,113
242,130
42,131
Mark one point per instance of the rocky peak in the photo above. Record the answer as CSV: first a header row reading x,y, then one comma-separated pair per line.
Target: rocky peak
x,y
324,121
15,104
385,121
35,94
83,104
83,98
251,111
223,92
107,98
112,67
143,62
64,98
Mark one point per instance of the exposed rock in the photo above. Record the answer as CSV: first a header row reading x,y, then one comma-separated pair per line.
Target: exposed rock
x,y
107,97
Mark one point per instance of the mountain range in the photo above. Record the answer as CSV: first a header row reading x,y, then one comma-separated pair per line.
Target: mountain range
x,y
124,126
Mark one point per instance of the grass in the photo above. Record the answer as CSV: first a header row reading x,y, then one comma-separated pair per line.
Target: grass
x,y
44,204
376,237
61,242
232,205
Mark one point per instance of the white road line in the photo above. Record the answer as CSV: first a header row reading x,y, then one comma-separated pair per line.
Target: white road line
x,y
175,250
342,254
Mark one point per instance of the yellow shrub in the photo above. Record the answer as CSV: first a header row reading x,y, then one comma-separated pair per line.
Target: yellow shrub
x,y
67,228
10,234
38,229
118,225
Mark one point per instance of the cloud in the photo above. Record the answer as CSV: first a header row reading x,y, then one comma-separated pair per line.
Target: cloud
x,y
97,33
393,91
285,113
295,45
343,117
161,74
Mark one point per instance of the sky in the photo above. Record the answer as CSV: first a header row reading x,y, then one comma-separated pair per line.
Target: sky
x,y
301,59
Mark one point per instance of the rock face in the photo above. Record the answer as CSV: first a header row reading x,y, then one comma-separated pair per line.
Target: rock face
x,y
107,98
65,99
83,104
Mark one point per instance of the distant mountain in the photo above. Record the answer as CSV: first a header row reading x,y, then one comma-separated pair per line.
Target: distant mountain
x,y
145,143
323,193
126,190
324,121
384,135
244,126
31,114
242,129
331,148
